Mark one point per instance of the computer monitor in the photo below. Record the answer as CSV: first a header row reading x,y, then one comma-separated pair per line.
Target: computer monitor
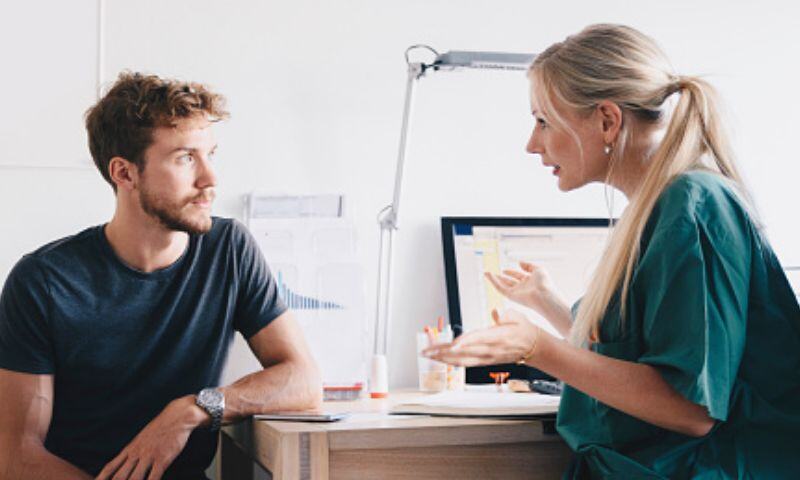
x,y
568,248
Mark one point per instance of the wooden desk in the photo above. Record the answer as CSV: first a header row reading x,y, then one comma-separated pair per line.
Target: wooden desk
x,y
371,444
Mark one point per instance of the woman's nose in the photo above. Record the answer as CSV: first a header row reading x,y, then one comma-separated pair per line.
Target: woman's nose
x,y
533,144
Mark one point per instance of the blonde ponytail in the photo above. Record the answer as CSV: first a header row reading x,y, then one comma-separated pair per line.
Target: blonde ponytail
x,y
618,63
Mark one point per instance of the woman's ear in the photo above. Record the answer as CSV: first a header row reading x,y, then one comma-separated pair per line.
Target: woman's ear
x,y
611,117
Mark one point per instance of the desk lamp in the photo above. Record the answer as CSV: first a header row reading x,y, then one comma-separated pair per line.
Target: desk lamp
x,y
387,217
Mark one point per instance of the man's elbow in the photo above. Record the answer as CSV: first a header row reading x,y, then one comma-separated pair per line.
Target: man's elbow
x,y
19,458
312,389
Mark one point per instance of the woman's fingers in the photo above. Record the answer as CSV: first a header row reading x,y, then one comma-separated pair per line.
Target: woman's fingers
x,y
470,355
437,348
502,285
527,266
485,336
515,274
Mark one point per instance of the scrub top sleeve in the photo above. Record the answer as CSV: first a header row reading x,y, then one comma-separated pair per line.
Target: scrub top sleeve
x,y
692,288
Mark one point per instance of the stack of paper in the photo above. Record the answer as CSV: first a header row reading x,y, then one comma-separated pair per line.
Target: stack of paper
x,y
480,404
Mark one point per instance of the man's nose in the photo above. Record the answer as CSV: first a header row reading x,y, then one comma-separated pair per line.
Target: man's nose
x,y
206,177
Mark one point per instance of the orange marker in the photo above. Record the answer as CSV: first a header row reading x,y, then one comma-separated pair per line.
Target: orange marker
x,y
499,378
441,324
431,337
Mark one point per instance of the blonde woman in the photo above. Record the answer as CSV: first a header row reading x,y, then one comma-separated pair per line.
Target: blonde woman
x,y
683,357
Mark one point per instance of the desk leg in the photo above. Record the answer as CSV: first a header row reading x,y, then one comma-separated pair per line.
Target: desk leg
x,y
318,456
234,463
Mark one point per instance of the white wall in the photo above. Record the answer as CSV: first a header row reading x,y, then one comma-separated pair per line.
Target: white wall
x,y
316,91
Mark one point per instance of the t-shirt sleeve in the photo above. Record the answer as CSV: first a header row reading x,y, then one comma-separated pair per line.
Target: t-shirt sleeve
x,y
692,283
258,302
25,340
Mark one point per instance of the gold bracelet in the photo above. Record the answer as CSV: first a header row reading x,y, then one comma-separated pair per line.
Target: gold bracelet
x,y
525,357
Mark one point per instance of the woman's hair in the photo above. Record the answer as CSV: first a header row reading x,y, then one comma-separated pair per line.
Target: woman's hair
x,y
620,64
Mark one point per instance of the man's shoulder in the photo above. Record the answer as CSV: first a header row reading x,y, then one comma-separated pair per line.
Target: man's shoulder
x,y
222,225
227,229
66,248
58,255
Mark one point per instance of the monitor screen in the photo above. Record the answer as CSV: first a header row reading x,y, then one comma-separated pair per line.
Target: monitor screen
x,y
568,248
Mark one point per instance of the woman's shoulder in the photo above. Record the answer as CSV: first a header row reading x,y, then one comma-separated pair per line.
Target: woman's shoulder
x,y
702,197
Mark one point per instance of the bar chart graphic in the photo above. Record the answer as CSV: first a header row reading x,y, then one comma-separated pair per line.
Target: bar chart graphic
x,y
295,301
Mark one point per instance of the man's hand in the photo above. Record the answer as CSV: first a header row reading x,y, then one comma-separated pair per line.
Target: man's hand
x,y
156,446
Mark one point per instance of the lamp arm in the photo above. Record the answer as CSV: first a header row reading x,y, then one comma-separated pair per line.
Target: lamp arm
x,y
387,220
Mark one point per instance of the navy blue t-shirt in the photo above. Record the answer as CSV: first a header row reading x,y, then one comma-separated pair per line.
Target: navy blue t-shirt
x,y
121,343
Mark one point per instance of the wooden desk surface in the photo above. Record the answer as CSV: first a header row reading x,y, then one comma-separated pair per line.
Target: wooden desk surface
x,y
372,444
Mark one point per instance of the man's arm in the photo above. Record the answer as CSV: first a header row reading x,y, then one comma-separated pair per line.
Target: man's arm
x,y
290,379
27,406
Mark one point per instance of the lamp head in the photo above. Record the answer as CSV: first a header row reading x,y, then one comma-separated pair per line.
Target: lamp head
x,y
489,60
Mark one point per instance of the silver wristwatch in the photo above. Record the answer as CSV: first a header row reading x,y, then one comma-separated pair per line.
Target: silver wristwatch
x,y
212,401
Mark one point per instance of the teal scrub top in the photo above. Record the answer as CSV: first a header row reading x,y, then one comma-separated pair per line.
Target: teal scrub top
x,y
710,308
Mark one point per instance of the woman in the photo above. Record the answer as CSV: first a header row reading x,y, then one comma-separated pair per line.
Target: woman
x,y
683,359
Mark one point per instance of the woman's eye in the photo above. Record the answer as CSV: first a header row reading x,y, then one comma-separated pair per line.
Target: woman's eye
x,y
541,122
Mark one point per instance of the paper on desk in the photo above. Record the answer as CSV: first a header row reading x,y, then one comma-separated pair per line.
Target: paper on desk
x,y
480,403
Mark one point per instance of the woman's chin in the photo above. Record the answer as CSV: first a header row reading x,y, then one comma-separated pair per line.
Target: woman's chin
x,y
564,185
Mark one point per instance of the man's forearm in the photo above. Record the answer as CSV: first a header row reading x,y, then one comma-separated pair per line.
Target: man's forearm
x,y
36,463
291,385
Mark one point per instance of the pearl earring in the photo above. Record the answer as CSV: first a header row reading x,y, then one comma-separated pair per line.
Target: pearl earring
x,y
607,149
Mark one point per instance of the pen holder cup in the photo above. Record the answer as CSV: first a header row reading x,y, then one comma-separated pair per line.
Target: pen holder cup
x,y
432,374
436,376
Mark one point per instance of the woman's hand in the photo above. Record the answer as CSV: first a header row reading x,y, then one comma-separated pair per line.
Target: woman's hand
x,y
511,339
532,288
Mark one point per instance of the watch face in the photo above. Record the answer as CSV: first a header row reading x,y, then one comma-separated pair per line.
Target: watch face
x,y
209,396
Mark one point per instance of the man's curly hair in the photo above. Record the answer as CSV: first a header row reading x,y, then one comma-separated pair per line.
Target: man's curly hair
x,y
121,123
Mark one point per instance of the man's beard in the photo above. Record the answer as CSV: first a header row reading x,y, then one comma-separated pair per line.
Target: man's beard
x,y
170,214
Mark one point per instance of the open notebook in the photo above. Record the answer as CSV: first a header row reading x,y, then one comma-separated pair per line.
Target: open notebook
x,y
480,403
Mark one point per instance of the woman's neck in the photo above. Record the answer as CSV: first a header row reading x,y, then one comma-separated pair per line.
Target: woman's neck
x,y
629,173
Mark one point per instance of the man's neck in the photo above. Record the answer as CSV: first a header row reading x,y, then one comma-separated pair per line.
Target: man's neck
x,y
145,244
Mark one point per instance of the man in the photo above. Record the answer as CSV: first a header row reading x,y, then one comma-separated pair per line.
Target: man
x,y
112,341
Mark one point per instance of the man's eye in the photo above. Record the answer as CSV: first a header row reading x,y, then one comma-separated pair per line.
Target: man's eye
x,y
187,158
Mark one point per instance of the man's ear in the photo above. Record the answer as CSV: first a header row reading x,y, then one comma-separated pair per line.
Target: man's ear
x,y
611,117
124,173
